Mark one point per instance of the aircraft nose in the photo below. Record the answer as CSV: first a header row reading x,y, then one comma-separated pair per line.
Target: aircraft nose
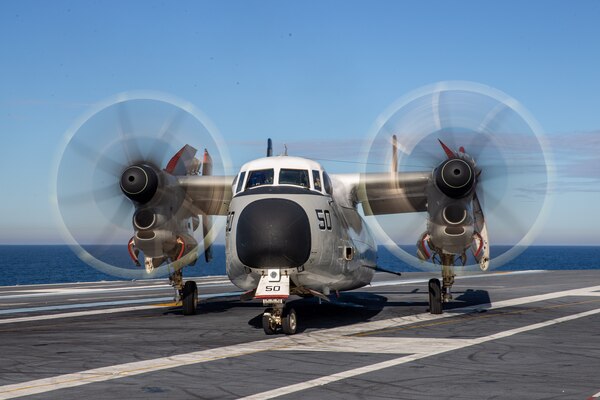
x,y
273,233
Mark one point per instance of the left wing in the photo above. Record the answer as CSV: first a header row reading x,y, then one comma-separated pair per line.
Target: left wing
x,y
209,195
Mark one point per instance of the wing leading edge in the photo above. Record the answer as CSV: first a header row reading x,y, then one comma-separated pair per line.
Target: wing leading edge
x,y
388,193
210,195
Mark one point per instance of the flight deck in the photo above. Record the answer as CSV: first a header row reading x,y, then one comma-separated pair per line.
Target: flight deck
x,y
511,335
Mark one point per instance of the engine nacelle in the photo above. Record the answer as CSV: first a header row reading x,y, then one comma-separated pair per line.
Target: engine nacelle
x,y
450,225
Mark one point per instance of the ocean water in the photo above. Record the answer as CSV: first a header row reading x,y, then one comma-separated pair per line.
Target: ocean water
x,y
24,265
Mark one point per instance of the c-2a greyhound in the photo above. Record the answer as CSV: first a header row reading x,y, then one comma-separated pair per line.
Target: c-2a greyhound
x,y
293,229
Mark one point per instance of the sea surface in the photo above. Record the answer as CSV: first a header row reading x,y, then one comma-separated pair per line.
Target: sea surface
x,y
25,265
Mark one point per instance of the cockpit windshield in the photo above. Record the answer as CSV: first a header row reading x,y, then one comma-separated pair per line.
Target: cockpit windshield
x,y
298,177
260,177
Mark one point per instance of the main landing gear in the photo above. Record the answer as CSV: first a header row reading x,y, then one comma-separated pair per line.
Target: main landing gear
x,y
441,293
188,292
189,298
435,296
282,317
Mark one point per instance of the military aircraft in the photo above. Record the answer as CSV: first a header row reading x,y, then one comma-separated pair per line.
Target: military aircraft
x,y
291,228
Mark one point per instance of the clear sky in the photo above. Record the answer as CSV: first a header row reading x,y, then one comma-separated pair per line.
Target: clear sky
x,y
312,74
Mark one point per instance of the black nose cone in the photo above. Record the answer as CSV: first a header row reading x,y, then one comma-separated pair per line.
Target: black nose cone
x,y
455,178
139,183
273,233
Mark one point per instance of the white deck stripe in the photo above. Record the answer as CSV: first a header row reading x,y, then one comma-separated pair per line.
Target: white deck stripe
x,y
97,312
74,314
394,322
134,368
288,343
401,281
198,279
72,291
83,305
378,345
95,290
403,360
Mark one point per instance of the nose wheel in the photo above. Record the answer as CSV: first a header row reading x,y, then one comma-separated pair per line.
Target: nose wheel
x,y
289,322
282,317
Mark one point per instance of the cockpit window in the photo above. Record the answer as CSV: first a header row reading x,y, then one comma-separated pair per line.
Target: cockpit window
x,y
297,177
327,181
260,177
240,182
317,180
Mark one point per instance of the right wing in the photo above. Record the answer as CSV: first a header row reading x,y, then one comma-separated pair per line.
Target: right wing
x,y
387,193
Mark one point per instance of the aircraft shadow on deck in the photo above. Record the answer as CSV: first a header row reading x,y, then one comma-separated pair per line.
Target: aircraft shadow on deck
x,y
356,307
217,305
350,308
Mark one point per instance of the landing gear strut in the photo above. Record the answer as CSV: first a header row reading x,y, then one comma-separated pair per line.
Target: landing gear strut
x,y
280,317
448,281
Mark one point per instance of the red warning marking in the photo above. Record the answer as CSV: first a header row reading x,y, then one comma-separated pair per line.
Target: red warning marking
x,y
173,162
271,297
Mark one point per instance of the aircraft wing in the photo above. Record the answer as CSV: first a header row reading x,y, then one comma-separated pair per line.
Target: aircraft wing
x,y
210,195
388,193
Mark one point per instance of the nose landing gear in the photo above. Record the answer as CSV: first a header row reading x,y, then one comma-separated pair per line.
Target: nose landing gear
x,y
274,289
280,317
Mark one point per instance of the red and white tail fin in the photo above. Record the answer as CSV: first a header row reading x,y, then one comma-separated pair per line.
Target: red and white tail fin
x,y
183,162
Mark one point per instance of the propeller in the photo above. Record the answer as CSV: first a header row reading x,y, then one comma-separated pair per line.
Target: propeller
x,y
433,128
114,162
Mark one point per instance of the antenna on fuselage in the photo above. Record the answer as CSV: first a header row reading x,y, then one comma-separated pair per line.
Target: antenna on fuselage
x,y
269,147
285,149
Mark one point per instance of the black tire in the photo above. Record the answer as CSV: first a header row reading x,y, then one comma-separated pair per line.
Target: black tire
x,y
289,321
435,296
189,298
267,324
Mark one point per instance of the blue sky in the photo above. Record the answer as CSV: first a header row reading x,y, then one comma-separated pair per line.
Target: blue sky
x,y
314,75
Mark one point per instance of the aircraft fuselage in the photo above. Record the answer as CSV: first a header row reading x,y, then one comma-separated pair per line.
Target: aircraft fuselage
x,y
305,232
